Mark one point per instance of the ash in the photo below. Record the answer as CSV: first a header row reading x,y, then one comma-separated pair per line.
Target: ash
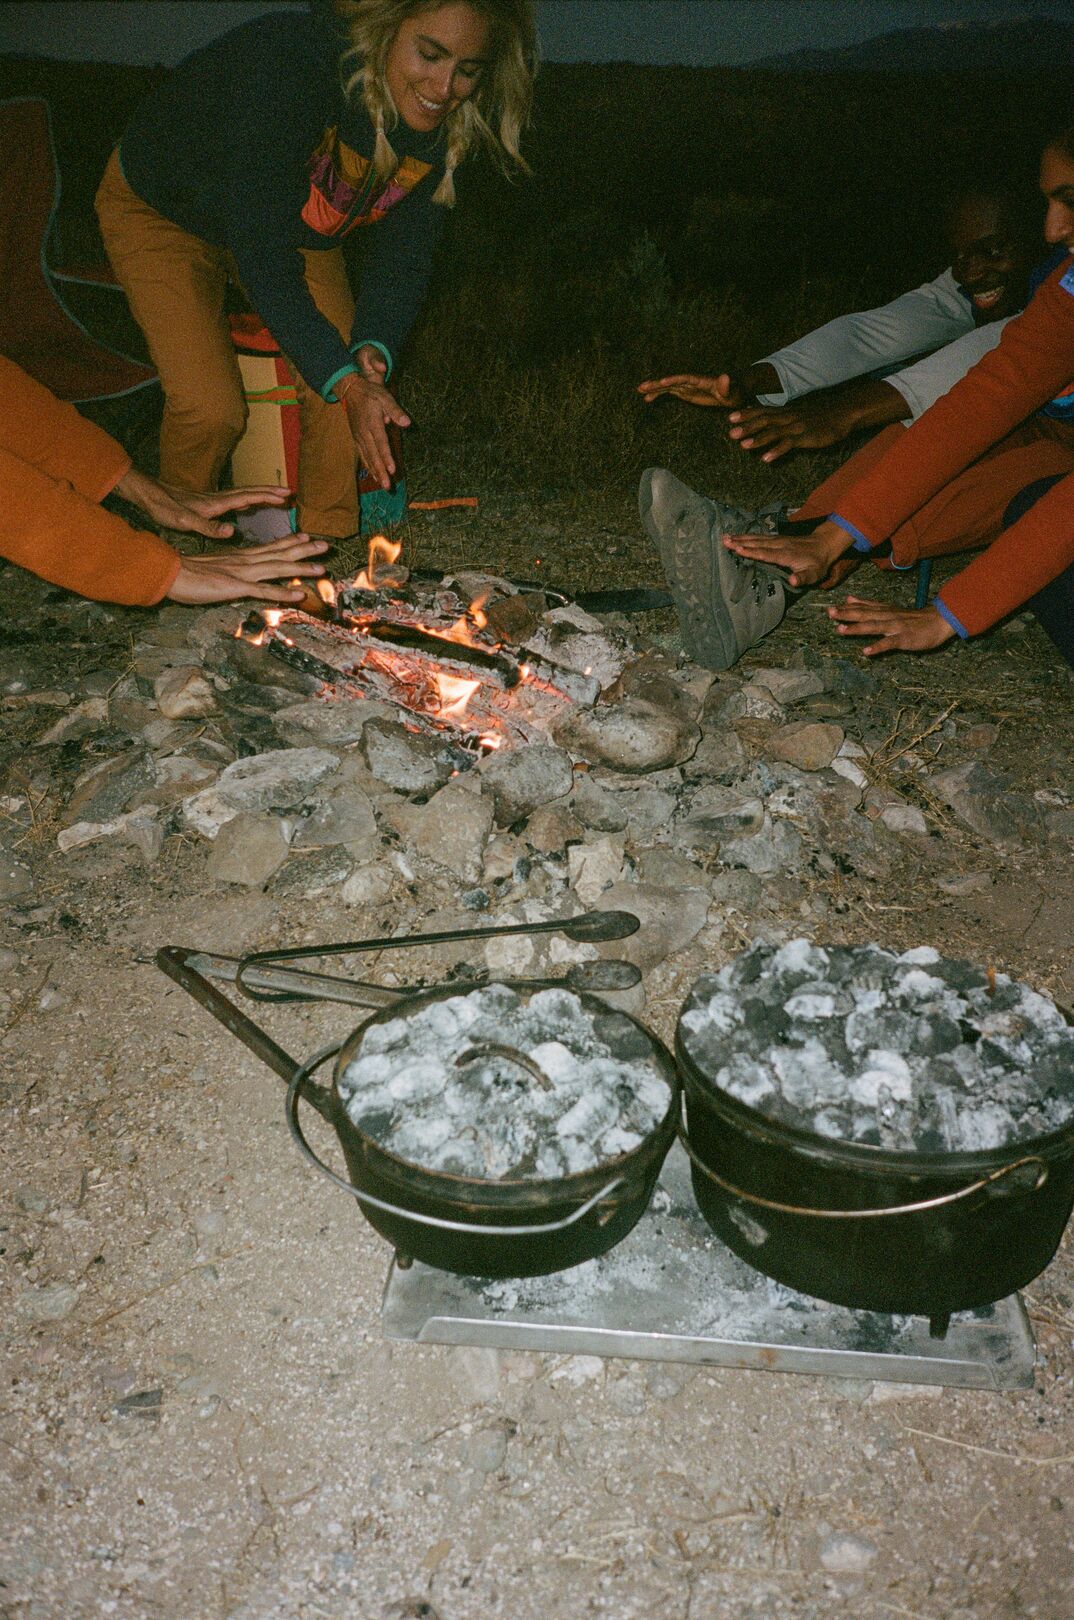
x,y
911,1053
441,1088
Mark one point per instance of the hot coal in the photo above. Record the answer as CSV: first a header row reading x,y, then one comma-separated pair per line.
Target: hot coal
x,y
911,1053
497,1084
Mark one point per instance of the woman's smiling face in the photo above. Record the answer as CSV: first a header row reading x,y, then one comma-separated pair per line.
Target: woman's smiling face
x,y
435,63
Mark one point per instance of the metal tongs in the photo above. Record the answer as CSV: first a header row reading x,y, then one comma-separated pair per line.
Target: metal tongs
x,y
259,976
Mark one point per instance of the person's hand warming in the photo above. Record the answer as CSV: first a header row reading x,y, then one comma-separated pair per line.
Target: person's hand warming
x,y
816,420
808,559
173,508
370,407
900,629
722,392
235,574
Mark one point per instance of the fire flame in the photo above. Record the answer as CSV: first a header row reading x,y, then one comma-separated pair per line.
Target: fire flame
x,y
455,693
326,591
382,553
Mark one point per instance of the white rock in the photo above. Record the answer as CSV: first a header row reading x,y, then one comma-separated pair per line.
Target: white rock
x,y
278,780
846,1554
183,694
594,866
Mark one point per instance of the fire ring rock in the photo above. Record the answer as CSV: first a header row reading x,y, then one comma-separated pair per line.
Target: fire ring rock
x,y
521,780
631,735
278,780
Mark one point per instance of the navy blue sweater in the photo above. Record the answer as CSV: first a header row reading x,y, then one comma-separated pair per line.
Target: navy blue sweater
x,y
251,145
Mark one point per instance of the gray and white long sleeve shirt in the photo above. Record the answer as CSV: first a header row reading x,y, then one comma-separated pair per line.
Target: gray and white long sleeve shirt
x,y
935,317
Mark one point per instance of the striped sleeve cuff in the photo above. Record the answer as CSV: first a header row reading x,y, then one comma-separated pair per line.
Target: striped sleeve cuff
x,y
945,613
860,541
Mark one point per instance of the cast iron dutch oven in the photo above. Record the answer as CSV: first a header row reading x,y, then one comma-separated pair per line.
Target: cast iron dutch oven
x,y
917,1234
504,1228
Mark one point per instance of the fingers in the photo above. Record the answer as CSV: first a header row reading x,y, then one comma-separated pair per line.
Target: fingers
x,y
288,548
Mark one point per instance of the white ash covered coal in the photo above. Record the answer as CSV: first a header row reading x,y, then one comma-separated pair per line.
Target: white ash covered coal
x,y
496,1084
911,1053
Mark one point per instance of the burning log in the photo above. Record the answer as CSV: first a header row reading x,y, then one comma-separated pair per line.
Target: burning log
x,y
499,668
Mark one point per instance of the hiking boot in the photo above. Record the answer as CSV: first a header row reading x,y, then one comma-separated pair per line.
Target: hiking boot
x,y
726,604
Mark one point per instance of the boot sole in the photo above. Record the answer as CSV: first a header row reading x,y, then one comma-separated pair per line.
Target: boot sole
x,y
683,537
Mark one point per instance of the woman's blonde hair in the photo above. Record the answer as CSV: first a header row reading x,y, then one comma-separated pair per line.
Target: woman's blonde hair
x,y
494,115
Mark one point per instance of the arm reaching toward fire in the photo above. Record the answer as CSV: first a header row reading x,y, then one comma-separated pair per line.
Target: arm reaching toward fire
x,y
56,468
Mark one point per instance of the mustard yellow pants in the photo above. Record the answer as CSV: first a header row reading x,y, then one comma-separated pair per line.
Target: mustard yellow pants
x,y
176,284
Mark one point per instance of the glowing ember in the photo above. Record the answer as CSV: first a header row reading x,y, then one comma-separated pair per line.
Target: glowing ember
x,y
382,554
455,694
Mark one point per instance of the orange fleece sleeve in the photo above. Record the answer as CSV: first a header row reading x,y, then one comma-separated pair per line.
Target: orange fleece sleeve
x,y
1032,363
1018,564
40,429
49,527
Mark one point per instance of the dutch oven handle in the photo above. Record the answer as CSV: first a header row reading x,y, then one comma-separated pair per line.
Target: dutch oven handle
x,y
174,960
869,1214
302,1077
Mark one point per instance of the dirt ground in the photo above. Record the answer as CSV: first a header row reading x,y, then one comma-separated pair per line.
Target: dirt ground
x,y
201,1415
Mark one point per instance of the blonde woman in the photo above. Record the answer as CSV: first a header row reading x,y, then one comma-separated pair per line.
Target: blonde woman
x,y
253,162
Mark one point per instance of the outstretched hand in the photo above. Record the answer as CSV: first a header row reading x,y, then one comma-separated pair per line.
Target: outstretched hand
x,y
370,406
235,574
811,423
900,629
190,513
724,392
808,559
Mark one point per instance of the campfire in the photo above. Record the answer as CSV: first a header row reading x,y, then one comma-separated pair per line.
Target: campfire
x,y
477,657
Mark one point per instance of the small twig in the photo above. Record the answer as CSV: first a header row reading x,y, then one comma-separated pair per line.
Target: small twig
x,y
990,1451
22,1005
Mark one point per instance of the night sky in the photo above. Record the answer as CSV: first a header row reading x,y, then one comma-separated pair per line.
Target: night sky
x,y
726,32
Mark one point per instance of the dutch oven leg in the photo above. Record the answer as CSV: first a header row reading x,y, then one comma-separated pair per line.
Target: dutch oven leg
x,y
939,1324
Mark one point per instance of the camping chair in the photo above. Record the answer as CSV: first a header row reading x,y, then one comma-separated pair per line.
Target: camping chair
x,y
37,330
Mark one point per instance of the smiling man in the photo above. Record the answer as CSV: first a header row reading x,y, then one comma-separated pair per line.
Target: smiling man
x,y
996,452
843,376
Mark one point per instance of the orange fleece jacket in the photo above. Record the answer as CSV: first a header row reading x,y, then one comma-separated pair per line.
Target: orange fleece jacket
x,y
55,467
1032,363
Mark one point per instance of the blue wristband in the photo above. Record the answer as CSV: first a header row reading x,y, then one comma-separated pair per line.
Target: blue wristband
x,y
371,343
329,390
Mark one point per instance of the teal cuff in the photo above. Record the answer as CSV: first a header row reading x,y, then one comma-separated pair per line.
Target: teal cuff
x,y
371,343
327,392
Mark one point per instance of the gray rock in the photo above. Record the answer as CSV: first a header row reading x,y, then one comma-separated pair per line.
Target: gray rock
x,y
737,888
962,883
631,735
107,789
550,829
16,879
666,870
278,780
259,665
176,777
905,818
367,885
501,857
306,876
81,721
594,866
809,744
335,724
249,849
988,802
846,1554
645,806
214,627
344,817
486,1450
721,757
718,813
651,679
573,640
670,918
140,828
788,686
49,1303
777,847
596,808
184,694
405,760
748,703
452,829
523,779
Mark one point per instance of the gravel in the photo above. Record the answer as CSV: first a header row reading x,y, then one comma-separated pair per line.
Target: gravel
x,y
912,1053
497,1084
